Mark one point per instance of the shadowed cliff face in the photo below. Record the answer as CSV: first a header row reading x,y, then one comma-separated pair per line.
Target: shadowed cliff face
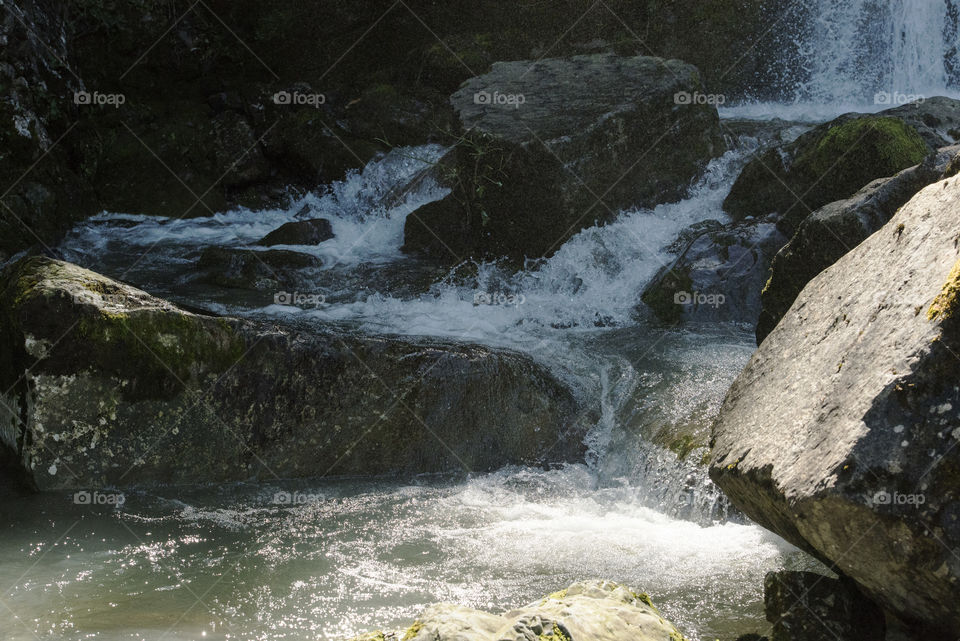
x,y
190,108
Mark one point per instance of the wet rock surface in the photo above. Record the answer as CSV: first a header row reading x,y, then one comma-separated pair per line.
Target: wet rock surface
x,y
718,276
301,232
236,267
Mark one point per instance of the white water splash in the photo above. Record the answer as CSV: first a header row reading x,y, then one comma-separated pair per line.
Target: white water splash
x,y
367,221
594,280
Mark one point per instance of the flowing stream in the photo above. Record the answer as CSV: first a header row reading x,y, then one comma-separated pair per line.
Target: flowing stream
x,y
341,556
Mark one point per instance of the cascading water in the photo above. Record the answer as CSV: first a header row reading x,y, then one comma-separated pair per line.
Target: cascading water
x,y
860,50
862,55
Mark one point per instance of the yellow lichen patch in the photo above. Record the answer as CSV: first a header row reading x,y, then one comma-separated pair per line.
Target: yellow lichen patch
x,y
945,304
556,634
412,631
643,597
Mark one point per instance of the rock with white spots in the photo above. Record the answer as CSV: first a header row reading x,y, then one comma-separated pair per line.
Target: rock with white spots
x,y
840,433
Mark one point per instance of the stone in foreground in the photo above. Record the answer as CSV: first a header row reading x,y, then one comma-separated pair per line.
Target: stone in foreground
x,y
105,385
587,611
842,434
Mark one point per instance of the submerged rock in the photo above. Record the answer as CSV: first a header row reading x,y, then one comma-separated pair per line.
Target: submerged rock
x,y
805,606
718,276
835,160
552,146
107,385
842,434
249,269
833,230
300,232
588,611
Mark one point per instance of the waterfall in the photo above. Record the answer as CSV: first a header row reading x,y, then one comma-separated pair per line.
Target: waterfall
x,y
881,52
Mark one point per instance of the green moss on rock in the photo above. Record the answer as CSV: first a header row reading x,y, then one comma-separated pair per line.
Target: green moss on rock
x,y
829,163
852,154
945,305
412,631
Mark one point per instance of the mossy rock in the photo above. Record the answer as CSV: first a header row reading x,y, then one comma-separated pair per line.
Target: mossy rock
x,y
830,163
104,384
945,305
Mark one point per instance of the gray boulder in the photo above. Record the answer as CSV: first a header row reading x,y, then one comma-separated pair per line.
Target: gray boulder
x,y
842,434
105,385
552,146
588,611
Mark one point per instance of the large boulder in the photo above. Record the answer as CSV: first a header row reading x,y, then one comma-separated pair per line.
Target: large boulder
x,y
107,385
835,160
587,611
552,146
842,434
834,229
